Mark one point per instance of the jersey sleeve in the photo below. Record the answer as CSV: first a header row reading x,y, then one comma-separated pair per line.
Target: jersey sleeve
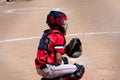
x,y
59,44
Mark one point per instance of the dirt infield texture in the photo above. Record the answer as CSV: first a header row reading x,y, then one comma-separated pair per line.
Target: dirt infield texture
x,y
95,22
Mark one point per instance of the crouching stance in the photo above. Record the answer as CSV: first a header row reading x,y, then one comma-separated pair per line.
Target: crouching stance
x,y
49,61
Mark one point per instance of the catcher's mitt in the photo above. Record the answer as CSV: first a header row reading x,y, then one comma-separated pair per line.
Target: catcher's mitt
x,y
74,48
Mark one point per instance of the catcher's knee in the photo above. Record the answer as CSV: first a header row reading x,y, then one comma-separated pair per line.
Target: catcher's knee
x,y
77,74
80,70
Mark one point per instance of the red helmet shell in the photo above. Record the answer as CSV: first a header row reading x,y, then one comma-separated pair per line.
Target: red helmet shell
x,y
56,17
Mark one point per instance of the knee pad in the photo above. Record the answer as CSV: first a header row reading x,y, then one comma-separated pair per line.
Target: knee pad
x,y
80,70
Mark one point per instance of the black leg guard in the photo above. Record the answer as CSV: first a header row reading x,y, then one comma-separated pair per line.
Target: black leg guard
x,y
79,73
65,60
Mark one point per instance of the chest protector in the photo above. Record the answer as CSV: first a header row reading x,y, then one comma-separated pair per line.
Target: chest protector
x,y
46,51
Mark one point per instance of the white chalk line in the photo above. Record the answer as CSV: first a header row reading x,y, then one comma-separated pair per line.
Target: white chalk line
x,y
32,11
36,10
18,39
76,34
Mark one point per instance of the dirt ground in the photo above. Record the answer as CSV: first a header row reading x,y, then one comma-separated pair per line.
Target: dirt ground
x,y
95,22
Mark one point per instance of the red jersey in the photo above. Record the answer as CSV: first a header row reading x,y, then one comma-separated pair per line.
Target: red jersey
x,y
52,41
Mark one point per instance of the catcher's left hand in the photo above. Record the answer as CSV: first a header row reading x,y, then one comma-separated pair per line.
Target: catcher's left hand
x,y
74,48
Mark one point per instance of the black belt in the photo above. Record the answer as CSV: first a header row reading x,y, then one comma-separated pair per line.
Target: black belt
x,y
42,67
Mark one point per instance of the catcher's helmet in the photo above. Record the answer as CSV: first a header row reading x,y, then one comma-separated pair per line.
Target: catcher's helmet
x,y
57,20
